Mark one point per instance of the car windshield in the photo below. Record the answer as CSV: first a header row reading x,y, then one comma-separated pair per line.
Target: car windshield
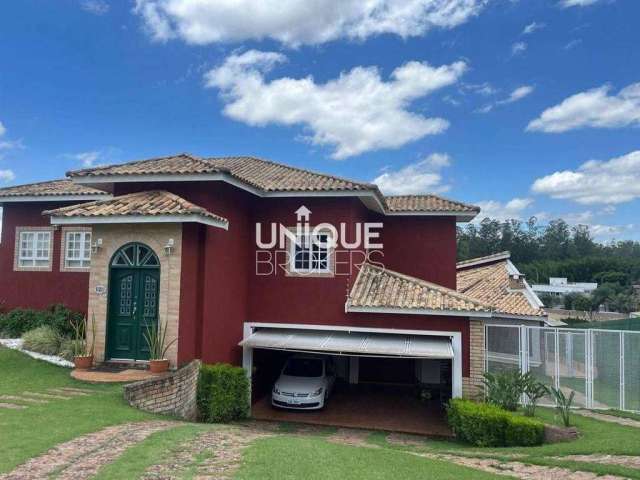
x,y
303,367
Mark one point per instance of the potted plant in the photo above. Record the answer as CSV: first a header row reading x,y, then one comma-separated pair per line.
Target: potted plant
x,y
156,338
82,351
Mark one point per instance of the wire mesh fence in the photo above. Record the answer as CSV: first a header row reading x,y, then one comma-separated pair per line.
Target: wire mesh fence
x,y
602,367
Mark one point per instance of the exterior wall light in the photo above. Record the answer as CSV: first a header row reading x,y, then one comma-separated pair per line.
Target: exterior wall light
x,y
168,248
97,245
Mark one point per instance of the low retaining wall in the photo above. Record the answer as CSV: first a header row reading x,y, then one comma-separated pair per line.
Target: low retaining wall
x,y
172,394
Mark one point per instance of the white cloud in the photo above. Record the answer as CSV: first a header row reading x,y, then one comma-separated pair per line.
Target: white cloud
x,y
572,44
93,158
514,208
296,22
516,95
594,108
577,3
595,182
420,177
96,7
518,48
533,27
354,113
485,89
8,144
7,176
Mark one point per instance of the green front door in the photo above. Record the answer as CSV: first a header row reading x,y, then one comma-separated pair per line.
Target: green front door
x,y
133,301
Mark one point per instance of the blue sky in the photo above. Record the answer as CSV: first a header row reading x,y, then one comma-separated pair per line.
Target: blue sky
x,y
502,103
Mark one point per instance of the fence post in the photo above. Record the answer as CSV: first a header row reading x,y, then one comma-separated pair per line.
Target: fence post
x,y
556,347
622,399
589,367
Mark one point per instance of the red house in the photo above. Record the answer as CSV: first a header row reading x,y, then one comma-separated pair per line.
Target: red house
x,y
244,259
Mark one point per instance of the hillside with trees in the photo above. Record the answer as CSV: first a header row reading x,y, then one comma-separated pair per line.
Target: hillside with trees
x,y
560,250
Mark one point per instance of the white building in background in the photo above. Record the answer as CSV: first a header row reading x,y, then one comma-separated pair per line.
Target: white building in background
x,y
559,287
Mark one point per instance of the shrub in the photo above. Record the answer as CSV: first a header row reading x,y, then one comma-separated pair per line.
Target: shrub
x,y
486,425
42,340
20,320
223,393
523,432
504,389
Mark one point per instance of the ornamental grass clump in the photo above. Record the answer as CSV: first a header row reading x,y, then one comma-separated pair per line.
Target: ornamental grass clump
x,y
43,340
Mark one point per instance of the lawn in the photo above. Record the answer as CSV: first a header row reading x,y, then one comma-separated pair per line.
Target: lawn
x,y
29,432
286,457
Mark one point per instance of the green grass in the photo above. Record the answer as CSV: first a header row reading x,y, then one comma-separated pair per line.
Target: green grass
x,y
30,432
286,457
151,451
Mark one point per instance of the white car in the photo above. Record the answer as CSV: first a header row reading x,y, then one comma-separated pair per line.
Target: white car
x,y
304,383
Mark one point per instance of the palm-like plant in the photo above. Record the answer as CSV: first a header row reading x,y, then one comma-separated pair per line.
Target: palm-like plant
x,y
156,338
534,390
563,404
81,346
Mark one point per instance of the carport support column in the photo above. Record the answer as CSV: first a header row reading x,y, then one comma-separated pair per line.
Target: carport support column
x,y
354,370
247,358
456,365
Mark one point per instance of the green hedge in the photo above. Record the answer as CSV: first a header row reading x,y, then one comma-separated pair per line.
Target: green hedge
x,y
16,322
223,393
487,425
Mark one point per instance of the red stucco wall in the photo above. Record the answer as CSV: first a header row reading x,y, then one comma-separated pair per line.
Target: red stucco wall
x,y
37,289
220,289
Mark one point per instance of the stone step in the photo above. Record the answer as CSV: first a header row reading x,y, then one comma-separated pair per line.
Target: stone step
x,y
62,391
18,398
81,390
48,396
12,406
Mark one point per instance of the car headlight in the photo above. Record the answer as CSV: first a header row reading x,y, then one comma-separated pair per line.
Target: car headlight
x,y
276,390
317,392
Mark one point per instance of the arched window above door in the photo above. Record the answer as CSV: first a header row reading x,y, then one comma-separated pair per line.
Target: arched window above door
x,y
135,255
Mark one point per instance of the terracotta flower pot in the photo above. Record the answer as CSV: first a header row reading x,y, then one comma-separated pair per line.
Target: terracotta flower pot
x,y
83,362
159,366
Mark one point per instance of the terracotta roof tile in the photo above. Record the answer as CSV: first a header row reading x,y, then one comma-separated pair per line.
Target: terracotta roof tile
x,y
381,288
270,176
150,203
490,284
427,203
53,188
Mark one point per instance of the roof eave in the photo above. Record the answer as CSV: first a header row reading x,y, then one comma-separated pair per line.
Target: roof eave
x,y
133,219
54,198
418,311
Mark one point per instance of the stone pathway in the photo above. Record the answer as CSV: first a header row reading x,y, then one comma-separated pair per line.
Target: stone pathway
x,y
82,457
214,454
628,422
622,460
515,469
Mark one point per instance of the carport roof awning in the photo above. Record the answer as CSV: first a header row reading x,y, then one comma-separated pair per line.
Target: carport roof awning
x,y
351,343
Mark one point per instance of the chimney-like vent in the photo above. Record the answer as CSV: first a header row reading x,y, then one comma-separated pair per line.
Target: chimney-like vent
x,y
516,281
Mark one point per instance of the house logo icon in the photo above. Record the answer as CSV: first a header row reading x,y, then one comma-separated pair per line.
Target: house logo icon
x,y
303,214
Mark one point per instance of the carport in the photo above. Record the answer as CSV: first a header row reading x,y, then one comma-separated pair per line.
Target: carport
x,y
379,368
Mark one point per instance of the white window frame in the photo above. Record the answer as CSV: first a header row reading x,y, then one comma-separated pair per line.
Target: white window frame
x,y
84,251
311,238
30,262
